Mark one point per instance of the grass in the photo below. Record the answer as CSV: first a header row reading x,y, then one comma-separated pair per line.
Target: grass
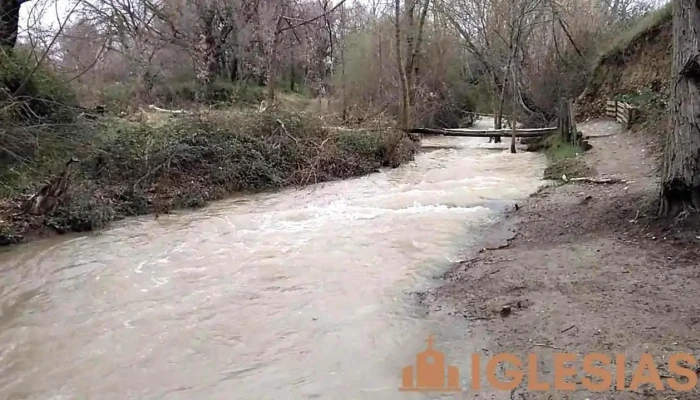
x,y
558,150
563,159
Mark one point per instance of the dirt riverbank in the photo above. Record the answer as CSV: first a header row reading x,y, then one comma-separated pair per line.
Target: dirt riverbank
x,y
587,269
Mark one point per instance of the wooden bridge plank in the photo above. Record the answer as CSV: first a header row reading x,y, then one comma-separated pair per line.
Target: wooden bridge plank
x,y
533,132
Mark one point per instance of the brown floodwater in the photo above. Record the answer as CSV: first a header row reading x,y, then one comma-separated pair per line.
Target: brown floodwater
x,y
298,294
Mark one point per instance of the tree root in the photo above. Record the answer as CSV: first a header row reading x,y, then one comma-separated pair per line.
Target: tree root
x,y
679,201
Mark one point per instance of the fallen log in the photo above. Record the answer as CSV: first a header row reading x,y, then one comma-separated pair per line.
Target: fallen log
x,y
163,110
593,180
538,132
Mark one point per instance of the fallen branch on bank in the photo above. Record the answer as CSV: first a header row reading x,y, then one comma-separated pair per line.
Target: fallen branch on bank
x,y
286,132
348,129
546,345
152,107
593,180
499,247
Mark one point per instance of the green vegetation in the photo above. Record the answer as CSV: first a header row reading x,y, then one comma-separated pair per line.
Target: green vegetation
x,y
219,93
558,150
138,168
30,94
563,159
156,162
646,99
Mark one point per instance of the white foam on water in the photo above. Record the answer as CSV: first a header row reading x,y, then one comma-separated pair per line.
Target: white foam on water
x,y
313,217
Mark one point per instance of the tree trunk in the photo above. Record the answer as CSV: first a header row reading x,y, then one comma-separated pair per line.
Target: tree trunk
x,y
209,53
233,68
9,23
497,124
494,99
501,104
413,45
381,60
292,78
272,65
513,108
404,106
410,31
565,123
343,77
680,189
500,109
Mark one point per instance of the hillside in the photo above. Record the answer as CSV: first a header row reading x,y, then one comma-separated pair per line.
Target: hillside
x,y
636,68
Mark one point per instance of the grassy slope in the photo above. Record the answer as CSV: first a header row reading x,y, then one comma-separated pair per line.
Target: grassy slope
x,y
636,67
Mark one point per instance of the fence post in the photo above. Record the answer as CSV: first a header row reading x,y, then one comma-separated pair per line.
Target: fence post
x,y
572,122
631,116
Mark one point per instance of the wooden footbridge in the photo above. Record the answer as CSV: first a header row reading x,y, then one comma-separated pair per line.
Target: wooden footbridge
x,y
566,126
519,132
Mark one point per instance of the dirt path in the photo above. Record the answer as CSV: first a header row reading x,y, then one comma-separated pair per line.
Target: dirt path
x,y
585,271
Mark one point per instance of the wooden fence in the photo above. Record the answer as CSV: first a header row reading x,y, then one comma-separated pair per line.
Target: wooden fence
x,y
623,113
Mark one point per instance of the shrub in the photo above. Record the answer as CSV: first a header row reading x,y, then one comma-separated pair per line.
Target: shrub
x,y
35,106
233,152
85,210
31,93
131,168
116,98
367,143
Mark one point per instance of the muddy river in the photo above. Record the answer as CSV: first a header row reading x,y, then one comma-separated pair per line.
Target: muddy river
x,y
299,294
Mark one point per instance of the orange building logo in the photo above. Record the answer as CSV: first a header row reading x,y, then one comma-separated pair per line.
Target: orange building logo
x,y
429,373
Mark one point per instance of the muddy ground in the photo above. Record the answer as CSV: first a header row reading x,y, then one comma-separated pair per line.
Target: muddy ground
x,y
587,269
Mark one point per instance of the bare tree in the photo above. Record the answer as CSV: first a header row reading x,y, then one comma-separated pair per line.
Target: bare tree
x,y
285,20
404,105
408,68
343,29
502,41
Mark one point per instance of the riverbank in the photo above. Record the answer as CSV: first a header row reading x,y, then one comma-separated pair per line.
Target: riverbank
x,y
586,269
162,162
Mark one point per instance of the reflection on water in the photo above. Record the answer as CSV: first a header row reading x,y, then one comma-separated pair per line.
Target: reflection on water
x,y
298,294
